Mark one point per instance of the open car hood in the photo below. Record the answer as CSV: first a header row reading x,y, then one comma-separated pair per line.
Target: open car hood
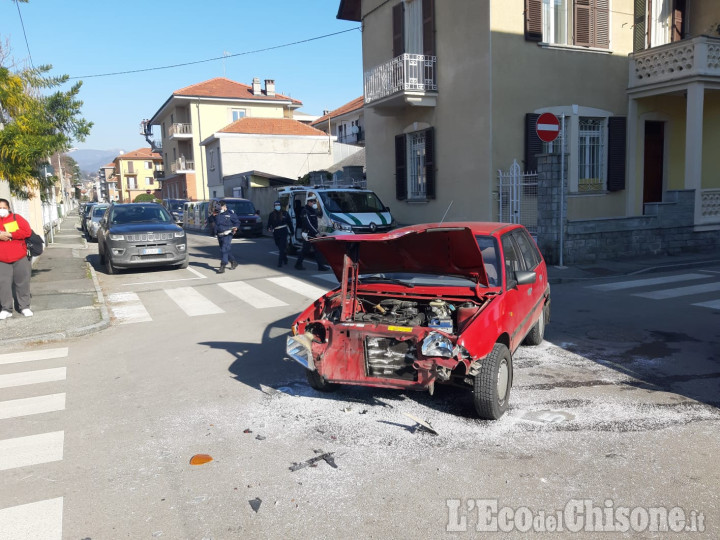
x,y
426,249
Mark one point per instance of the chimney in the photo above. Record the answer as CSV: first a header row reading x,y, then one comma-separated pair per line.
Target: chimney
x,y
269,87
256,87
325,112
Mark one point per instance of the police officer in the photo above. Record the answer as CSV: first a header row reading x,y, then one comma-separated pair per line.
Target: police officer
x,y
309,224
280,225
225,224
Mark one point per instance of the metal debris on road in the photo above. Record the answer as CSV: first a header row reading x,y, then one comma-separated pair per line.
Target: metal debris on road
x,y
247,430
425,425
260,438
255,504
200,459
327,457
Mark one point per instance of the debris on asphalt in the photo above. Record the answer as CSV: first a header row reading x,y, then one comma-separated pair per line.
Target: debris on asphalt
x,y
347,409
255,504
200,459
260,438
425,425
247,430
327,457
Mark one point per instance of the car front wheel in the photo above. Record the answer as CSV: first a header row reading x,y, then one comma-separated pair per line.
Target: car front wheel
x,y
491,390
318,382
109,266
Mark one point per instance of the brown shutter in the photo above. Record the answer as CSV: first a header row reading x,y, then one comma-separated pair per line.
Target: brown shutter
x,y
430,163
583,32
617,137
677,20
639,32
400,168
533,144
533,20
398,29
428,8
601,26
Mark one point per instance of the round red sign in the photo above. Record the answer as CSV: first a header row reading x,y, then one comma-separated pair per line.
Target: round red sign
x,y
547,127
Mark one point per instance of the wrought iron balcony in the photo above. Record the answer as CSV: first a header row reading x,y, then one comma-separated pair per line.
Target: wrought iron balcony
x,y
182,165
678,62
406,79
180,131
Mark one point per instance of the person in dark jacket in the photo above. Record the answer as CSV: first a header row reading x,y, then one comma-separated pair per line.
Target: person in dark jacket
x,y
309,223
280,225
15,267
225,223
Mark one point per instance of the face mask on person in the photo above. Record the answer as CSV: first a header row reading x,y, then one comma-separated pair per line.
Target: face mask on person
x,y
314,205
4,212
277,207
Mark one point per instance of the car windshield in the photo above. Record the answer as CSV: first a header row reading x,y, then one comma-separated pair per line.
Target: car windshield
x,y
140,214
412,279
176,207
98,211
241,207
349,202
488,247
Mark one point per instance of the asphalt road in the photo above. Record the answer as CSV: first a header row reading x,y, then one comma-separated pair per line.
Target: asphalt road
x,y
613,422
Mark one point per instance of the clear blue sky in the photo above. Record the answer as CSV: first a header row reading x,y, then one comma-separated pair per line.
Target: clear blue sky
x,y
81,38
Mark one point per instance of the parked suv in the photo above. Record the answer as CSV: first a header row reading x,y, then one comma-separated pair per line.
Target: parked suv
x,y
250,221
139,235
176,207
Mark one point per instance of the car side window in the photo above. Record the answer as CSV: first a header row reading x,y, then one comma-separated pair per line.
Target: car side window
x,y
527,248
513,261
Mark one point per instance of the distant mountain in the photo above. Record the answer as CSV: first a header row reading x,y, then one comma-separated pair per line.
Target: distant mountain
x,y
90,161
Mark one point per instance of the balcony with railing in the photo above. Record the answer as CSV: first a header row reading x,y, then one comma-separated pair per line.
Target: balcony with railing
x,y
182,165
408,79
180,131
675,63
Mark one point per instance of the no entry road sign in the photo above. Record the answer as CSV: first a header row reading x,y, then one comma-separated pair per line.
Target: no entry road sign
x,y
547,127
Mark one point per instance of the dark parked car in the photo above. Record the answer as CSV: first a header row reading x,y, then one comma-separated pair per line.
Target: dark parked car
x,y
250,221
139,235
176,207
86,216
424,305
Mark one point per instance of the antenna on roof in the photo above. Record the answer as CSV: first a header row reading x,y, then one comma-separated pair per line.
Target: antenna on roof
x,y
446,211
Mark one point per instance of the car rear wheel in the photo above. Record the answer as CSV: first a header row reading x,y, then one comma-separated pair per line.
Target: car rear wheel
x,y
491,390
318,382
537,333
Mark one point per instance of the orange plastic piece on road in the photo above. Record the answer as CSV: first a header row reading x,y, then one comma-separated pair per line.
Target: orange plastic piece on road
x,y
200,459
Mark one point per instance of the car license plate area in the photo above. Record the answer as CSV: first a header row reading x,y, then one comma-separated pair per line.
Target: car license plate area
x,y
150,251
390,358
246,228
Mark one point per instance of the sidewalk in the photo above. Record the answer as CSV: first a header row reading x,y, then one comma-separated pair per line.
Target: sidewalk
x,y
66,297
67,300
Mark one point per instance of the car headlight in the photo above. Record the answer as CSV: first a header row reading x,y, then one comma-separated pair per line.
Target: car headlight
x,y
341,226
436,344
179,234
116,237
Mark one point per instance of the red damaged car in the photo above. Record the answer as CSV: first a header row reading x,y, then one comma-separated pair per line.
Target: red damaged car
x,y
434,303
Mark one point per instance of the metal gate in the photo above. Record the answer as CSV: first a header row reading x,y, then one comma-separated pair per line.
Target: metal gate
x,y
517,197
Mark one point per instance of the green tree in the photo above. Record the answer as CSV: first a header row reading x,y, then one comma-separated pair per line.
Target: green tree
x,y
145,197
33,125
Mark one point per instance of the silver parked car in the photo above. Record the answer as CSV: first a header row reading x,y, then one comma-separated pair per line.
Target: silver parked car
x,y
98,211
136,235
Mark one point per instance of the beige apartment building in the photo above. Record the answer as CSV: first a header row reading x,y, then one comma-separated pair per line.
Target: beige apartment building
x,y
135,173
194,113
453,91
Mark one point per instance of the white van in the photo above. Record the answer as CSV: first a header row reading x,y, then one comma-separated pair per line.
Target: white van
x,y
341,210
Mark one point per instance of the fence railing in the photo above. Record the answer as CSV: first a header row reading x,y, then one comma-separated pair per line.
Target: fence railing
x,y
180,129
517,197
407,72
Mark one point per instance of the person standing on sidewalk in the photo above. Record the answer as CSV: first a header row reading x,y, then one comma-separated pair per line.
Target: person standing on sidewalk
x,y
280,225
225,223
15,267
309,223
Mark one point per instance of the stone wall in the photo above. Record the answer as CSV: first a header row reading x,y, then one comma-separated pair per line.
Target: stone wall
x,y
667,228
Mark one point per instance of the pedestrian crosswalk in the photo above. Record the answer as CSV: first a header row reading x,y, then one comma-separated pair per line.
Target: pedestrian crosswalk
x,y
207,299
686,285
37,517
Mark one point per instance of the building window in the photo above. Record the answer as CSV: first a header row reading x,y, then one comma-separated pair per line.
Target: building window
x,y
131,167
413,28
591,151
211,159
415,165
148,165
585,23
131,182
237,114
149,181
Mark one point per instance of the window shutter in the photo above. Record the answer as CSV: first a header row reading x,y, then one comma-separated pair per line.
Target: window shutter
x,y
428,8
617,126
430,163
398,29
583,35
533,144
601,24
400,167
677,20
639,34
533,20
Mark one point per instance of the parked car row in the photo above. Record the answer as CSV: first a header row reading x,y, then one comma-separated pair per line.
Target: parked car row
x,y
196,214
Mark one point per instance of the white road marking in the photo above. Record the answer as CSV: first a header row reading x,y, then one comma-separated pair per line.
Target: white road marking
x,y
713,304
31,356
249,294
198,274
681,291
646,282
192,302
31,450
32,377
327,277
42,519
128,308
298,286
35,405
